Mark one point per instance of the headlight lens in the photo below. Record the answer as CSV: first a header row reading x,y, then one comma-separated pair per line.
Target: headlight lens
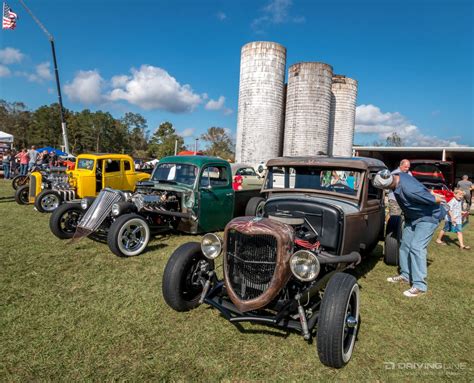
x,y
211,246
305,265
84,203
115,209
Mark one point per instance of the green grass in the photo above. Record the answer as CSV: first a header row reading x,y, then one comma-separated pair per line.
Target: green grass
x,y
77,312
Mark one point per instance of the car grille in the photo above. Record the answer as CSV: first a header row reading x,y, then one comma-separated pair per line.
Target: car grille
x,y
32,191
251,261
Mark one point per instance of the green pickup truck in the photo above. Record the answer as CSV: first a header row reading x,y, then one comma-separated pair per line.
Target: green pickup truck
x,y
190,194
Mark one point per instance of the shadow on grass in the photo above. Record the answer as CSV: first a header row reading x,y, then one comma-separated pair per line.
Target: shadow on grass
x,y
368,263
7,199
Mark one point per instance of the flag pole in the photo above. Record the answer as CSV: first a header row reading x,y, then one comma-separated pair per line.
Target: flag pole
x,y
56,73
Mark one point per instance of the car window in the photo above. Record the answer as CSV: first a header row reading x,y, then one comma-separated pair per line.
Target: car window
x,y
215,176
126,165
112,166
85,163
245,172
175,173
373,192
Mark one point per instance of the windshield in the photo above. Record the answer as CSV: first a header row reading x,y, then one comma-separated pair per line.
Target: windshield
x,y
85,163
175,173
342,181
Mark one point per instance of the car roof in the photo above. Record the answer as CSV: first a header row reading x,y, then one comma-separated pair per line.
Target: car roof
x,y
101,156
349,162
194,160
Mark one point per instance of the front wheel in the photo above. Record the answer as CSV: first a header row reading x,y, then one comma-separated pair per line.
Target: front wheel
x,y
63,222
255,207
18,181
338,320
47,201
181,284
128,235
22,195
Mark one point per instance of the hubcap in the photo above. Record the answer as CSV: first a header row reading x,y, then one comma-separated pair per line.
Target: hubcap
x,y
50,202
69,221
351,322
132,236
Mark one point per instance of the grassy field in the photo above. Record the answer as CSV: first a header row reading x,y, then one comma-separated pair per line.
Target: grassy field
x,y
77,312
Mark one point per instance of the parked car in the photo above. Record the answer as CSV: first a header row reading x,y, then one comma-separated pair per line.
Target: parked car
x,y
244,177
92,173
285,267
435,175
190,194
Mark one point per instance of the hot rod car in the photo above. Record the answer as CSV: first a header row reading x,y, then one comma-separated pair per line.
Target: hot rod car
x,y
191,194
92,173
284,268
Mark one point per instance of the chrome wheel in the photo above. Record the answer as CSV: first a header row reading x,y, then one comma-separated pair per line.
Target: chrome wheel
x,y
49,202
133,237
351,323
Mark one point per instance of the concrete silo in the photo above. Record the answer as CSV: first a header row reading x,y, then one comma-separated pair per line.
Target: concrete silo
x,y
308,103
342,122
261,102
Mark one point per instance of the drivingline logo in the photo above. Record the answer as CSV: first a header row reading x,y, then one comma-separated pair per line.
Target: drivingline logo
x,y
425,366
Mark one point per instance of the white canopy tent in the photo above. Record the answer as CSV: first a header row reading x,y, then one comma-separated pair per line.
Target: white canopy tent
x,y
6,137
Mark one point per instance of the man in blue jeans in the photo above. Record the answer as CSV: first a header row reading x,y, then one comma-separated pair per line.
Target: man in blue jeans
x,y
422,215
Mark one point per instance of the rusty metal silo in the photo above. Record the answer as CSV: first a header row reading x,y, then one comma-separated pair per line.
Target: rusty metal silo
x,y
342,121
261,102
308,102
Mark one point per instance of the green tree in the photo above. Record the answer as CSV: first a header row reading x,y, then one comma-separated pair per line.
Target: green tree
x,y
394,140
163,141
219,143
136,125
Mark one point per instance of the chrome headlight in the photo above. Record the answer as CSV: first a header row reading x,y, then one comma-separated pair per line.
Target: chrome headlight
x,y
211,246
115,209
84,203
305,265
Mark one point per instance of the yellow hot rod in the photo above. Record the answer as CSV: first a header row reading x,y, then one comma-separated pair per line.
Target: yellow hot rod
x,y
92,173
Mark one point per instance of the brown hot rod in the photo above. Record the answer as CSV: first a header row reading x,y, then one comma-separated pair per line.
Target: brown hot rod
x,y
283,268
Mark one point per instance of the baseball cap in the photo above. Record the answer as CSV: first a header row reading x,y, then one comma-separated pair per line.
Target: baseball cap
x,y
383,179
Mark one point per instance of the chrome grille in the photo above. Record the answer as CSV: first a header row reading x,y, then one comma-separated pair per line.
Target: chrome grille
x,y
98,211
251,261
32,190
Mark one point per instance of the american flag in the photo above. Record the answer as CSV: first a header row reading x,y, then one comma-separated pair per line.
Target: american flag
x,y
9,17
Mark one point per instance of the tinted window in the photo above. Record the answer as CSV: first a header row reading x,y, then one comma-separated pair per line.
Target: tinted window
x,y
126,165
112,166
214,176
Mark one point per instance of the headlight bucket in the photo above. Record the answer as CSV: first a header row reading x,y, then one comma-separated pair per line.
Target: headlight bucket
x,y
84,203
305,265
211,246
116,210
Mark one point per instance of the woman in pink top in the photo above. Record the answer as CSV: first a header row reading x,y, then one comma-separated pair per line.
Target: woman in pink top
x,y
24,159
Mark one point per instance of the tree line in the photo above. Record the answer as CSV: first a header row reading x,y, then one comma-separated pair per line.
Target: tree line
x,y
100,132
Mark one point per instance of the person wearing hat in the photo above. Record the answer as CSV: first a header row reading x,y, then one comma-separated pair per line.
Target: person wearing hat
x,y
423,213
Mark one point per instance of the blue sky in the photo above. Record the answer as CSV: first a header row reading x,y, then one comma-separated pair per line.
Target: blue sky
x,y
178,61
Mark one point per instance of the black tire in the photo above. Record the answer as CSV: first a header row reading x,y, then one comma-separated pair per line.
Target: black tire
x,y
335,338
118,230
18,181
47,201
393,237
178,290
22,195
63,221
255,206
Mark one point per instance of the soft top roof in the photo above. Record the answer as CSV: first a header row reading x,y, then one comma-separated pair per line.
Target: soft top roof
x,y
194,160
343,162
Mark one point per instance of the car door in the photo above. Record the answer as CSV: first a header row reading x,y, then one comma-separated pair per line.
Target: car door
x,y
112,174
216,197
374,213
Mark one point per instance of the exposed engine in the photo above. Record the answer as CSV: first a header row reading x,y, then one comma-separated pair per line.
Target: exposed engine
x,y
156,201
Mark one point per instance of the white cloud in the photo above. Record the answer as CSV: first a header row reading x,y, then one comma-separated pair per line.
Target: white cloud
x,y
371,120
42,73
188,132
4,71
218,104
221,16
119,81
275,12
10,55
86,87
154,88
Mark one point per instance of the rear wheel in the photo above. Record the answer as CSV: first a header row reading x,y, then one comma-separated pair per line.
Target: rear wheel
x,y
255,206
181,286
338,320
22,195
63,222
128,235
19,181
393,237
47,201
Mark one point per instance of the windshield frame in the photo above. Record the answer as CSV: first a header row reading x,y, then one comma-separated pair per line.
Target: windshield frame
x,y
191,186
356,197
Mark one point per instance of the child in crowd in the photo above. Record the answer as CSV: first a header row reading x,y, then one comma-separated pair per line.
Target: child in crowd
x,y
453,220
